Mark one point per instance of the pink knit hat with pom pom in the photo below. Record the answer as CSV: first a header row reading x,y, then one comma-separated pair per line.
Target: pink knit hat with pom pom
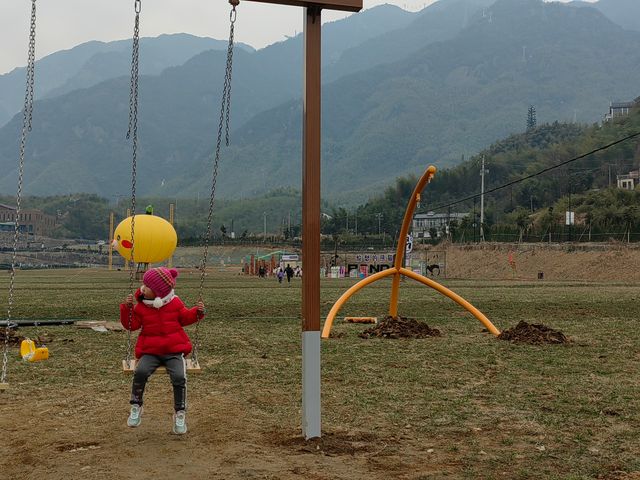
x,y
161,280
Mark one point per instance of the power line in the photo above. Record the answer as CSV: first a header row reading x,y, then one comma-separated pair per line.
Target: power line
x,y
544,170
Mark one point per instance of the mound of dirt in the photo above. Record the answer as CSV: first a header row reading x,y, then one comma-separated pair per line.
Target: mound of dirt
x,y
400,327
533,334
331,443
12,337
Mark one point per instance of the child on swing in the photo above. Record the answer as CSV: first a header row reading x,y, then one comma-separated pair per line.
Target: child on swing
x,y
162,341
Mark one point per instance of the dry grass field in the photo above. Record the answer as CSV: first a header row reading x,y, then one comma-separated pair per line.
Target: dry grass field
x,y
462,406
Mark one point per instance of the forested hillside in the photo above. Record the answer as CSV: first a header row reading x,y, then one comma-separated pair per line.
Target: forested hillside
x,y
450,97
586,186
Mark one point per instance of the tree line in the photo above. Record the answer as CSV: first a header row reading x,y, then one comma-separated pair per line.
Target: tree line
x,y
532,209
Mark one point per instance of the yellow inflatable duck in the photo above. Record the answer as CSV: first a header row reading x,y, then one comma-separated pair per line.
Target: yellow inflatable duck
x,y
155,239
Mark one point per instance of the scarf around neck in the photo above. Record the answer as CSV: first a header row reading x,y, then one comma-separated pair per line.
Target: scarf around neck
x,y
160,302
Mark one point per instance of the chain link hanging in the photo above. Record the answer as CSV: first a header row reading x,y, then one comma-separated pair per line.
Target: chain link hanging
x,y
132,134
27,116
224,123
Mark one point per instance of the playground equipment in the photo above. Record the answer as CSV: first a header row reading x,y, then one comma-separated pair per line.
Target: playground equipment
x,y
193,365
397,270
311,148
27,115
30,353
311,155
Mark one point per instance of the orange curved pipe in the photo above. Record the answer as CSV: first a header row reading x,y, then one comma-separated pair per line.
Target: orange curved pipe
x,y
346,295
399,270
453,296
402,238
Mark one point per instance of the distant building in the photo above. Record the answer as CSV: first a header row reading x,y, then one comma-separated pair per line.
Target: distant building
x,y
423,222
628,181
620,109
31,221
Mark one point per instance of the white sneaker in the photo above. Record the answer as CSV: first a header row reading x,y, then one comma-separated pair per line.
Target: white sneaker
x,y
135,416
180,422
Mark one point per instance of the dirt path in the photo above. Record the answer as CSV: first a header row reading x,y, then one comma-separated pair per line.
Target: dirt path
x,y
85,436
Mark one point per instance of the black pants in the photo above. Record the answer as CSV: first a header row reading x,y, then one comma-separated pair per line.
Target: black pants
x,y
176,368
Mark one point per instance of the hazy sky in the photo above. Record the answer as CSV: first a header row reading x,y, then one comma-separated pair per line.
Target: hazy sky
x,y
62,24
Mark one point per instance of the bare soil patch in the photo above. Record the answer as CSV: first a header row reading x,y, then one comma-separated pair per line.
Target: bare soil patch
x,y
331,443
533,334
556,262
10,336
400,327
621,475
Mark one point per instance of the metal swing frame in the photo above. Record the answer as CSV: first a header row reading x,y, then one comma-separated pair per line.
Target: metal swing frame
x,y
192,364
28,349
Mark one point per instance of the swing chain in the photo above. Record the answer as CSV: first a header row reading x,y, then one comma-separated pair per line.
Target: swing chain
x,y
31,64
132,134
227,98
133,95
27,115
224,122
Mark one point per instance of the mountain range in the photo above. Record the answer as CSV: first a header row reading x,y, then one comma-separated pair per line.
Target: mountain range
x,y
94,62
401,90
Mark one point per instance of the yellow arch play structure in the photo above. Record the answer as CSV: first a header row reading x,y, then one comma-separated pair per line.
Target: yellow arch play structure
x,y
398,270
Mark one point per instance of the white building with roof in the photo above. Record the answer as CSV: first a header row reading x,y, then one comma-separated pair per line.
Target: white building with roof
x,y
423,222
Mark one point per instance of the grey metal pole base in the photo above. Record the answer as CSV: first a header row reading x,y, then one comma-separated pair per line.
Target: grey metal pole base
x,y
311,384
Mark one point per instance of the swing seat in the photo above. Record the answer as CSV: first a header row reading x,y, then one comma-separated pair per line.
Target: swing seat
x,y
130,366
30,353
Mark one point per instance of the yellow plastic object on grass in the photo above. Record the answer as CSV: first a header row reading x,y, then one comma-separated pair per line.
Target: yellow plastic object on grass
x,y
155,239
30,353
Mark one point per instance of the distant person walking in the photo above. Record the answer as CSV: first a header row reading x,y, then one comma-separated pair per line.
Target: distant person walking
x,y
289,272
280,274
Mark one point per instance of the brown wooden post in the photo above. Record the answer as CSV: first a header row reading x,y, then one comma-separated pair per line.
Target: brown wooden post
x,y
311,171
311,143
311,224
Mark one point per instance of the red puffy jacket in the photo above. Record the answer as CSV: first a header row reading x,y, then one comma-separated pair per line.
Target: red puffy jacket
x,y
162,332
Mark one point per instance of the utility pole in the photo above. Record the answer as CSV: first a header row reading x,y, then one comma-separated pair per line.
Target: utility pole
x,y
475,220
482,172
264,234
289,227
347,223
379,215
570,215
356,223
